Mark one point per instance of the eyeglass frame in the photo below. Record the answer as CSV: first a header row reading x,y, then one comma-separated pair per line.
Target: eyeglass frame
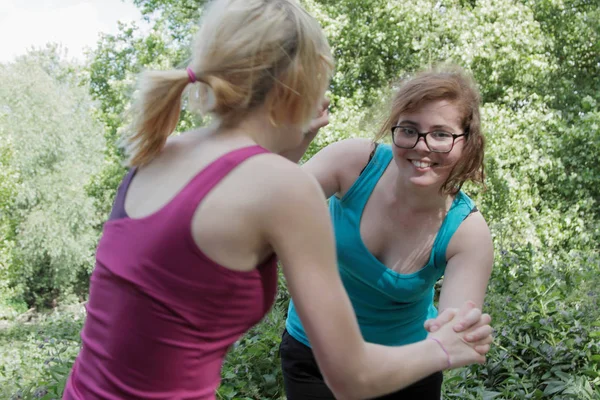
x,y
424,136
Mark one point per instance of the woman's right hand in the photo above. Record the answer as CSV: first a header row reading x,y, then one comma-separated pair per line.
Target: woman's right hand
x,y
469,346
320,120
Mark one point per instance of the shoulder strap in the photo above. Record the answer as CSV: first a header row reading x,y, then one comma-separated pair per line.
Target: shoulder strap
x,y
192,194
363,186
118,209
370,157
461,208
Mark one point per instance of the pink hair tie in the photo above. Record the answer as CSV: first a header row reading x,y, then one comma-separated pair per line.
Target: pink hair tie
x,y
191,75
443,348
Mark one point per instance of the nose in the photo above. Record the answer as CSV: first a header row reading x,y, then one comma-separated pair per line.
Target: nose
x,y
421,145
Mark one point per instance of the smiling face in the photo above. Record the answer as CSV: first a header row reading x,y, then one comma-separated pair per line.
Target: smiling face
x,y
419,166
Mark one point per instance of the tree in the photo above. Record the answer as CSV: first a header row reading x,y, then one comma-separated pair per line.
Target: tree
x,y
572,29
53,146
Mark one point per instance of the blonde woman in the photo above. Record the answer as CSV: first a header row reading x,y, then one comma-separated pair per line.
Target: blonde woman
x,y
187,261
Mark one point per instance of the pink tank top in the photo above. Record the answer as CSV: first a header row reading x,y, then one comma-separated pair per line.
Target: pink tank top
x,y
161,315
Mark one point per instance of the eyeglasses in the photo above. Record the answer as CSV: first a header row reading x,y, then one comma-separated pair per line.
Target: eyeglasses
x,y
407,137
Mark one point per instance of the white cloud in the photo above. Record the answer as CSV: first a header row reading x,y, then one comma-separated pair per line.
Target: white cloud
x,y
75,24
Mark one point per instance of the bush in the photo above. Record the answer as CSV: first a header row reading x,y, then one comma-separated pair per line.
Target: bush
x,y
547,331
36,356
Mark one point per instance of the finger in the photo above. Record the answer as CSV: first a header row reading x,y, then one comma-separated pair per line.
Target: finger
x,y
485,319
323,121
429,324
466,308
469,319
323,107
443,318
478,358
318,123
478,334
486,340
483,346
482,349
433,324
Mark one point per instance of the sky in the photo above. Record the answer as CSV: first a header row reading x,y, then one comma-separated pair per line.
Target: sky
x,y
75,24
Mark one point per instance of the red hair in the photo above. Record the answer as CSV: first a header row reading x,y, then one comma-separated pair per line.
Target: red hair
x,y
455,86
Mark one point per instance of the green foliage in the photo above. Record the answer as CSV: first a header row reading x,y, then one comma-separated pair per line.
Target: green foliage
x,y
8,193
53,147
537,63
542,186
182,16
572,28
36,356
547,331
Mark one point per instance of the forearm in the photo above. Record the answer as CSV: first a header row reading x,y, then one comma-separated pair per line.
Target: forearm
x,y
457,302
296,154
385,369
455,294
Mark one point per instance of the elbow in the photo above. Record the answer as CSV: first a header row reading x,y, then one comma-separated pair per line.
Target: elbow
x,y
347,386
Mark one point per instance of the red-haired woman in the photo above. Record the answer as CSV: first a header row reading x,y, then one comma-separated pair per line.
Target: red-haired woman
x,y
401,222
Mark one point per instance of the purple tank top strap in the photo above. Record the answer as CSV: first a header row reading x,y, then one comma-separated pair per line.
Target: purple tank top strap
x,y
197,188
209,177
118,209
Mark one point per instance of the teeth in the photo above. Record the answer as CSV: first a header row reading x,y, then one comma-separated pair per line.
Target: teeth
x,y
420,164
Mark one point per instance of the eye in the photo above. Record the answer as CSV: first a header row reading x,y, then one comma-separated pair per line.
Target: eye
x,y
441,135
406,131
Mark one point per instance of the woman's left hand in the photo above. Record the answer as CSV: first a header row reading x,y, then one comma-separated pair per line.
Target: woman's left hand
x,y
468,318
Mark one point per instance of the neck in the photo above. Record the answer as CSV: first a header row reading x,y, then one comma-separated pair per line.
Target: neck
x,y
418,198
257,128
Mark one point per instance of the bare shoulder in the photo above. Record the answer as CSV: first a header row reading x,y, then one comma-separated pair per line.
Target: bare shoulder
x,y
473,234
264,179
281,179
338,165
266,194
350,151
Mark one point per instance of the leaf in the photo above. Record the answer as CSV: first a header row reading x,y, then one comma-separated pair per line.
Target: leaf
x,y
489,395
553,387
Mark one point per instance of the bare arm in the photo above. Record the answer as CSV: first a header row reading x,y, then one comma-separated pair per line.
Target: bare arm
x,y
470,265
297,225
321,120
338,163
467,273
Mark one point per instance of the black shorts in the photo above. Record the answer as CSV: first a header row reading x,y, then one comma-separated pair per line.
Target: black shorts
x,y
303,380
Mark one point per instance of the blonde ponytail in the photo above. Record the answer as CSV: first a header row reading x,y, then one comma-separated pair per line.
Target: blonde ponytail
x,y
250,53
260,52
155,114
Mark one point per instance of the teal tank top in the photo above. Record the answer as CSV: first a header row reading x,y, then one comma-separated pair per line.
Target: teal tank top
x,y
390,307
